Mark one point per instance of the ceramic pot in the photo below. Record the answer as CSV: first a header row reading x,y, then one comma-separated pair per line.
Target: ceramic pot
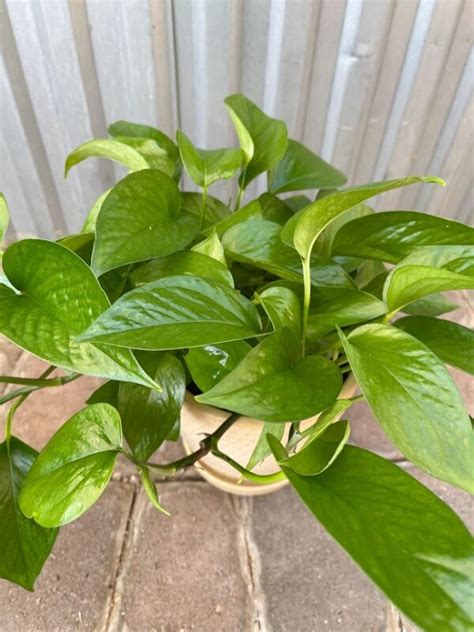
x,y
238,442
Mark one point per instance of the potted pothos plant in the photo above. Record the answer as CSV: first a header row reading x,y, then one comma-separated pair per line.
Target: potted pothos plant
x,y
245,329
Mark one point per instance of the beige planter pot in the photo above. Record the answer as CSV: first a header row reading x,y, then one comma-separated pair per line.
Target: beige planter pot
x,y
238,442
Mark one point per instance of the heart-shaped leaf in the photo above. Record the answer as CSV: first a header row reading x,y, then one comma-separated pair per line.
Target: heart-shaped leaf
x,y
306,226
263,140
25,545
451,342
273,383
206,166
74,467
155,156
426,271
147,416
422,544
209,364
415,400
186,262
300,169
141,218
334,306
56,298
257,242
175,313
393,235
212,247
321,452
283,308
135,130
106,148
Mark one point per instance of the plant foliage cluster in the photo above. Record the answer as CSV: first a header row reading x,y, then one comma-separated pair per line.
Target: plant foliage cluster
x,y
261,310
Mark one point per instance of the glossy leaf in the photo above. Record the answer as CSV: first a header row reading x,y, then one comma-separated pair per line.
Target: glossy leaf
x,y
324,244
414,399
427,271
451,342
215,210
326,418
175,313
56,298
106,148
430,305
151,491
257,242
321,452
263,140
212,247
300,169
135,130
419,557
305,227
25,545
147,416
283,308
156,157
91,219
334,306
209,364
393,235
74,467
262,450
274,209
141,218
297,202
185,262
206,166
4,217
273,383
252,210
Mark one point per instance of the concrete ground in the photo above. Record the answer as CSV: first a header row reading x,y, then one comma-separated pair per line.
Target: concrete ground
x,y
219,564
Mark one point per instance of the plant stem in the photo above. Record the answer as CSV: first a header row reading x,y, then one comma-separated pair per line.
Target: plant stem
x,y
47,383
260,479
27,381
205,447
306,301
203,207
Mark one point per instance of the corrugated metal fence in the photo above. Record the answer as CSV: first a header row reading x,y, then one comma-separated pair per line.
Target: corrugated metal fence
x,y
380,88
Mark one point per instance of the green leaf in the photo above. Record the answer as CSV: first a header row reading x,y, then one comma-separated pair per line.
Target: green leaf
x,y
156,157
106,148
209,364
257,242
147,416
91,219
451,342
215,211
175,313
274,209
412,545
283,308
135,130
212,247
263,139
74,467
206,166
185,262
80,243
427,271
25,545
430,305
4,217
273,383
335,306
306,226
326,418
414,399
56,299
262,449
141,218
297,202
150,489
252,210
393,235
324,244
300,169
321,452
106,394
